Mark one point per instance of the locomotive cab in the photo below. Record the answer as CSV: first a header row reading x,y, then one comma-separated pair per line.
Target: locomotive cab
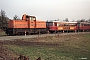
x,y
26,18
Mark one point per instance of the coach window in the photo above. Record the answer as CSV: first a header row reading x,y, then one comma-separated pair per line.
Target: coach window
x,y
60,25
65,24
73,25
50,24
55,24
88,24
84,24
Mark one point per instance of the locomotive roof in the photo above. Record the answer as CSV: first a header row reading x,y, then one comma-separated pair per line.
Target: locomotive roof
x,y
62,22
84,22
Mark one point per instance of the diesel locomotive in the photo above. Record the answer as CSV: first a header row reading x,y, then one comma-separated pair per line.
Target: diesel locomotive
x,y
29,25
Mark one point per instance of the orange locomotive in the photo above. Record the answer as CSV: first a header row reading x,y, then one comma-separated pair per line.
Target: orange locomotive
x,y
28,25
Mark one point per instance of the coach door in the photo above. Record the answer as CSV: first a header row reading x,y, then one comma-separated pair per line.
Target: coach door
x,y
78,26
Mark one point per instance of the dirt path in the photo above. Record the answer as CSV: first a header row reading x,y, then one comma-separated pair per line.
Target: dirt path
x,y
5,54
34,36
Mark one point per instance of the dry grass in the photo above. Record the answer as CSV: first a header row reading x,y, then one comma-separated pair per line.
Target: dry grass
x,y
62,47
2,33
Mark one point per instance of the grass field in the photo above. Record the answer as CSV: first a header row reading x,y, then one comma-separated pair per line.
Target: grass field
x,y
65,47
2,33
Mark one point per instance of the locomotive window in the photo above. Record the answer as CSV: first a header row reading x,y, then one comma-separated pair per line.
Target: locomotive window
x,y
32,18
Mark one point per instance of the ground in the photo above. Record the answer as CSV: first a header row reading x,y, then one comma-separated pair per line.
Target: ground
x,y
58,47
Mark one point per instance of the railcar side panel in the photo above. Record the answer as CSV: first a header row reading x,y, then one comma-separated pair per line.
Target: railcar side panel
x,y
21,31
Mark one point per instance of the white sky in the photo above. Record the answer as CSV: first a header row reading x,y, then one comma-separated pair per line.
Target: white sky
x,y
47,9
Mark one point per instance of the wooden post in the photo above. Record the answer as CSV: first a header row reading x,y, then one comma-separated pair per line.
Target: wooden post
x,y
38,34
25,32
75,31
83,30
55,33
63,31
39,31
48,32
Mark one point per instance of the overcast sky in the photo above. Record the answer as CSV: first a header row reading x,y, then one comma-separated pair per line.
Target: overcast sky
x,y
47,9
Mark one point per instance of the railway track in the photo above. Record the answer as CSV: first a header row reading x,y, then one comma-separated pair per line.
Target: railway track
x,y
34,36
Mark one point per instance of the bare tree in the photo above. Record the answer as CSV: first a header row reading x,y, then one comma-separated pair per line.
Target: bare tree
x,y
16,17
88,20
66,20
82,20
3,20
